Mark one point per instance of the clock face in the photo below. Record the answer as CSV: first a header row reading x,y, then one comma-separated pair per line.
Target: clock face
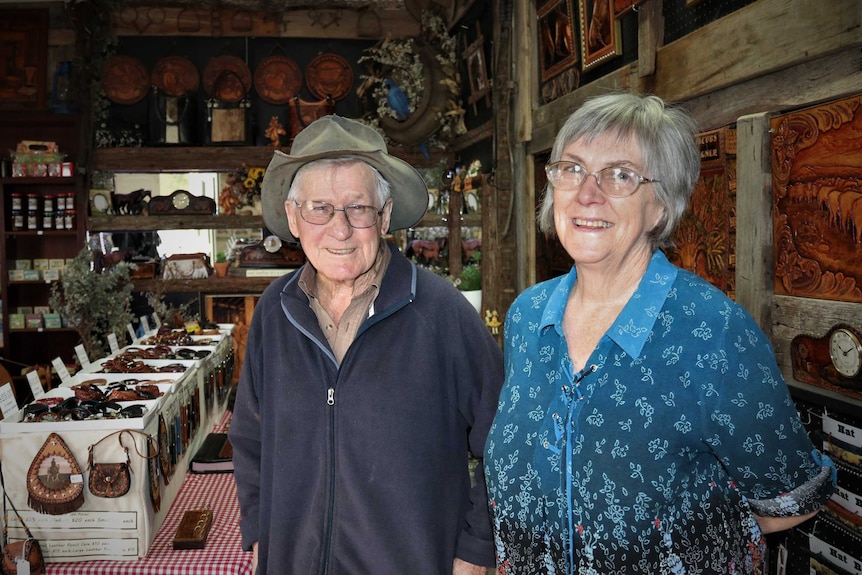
x,y
181,200
845,350
272,244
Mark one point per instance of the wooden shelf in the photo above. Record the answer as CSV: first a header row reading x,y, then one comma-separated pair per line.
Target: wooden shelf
x,y
434,219
149,223
227,285
212,159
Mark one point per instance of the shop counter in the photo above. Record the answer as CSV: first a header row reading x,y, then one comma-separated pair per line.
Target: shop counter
x,y
222,555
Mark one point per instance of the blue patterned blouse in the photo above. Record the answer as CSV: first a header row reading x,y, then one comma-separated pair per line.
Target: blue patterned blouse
x,y
653,458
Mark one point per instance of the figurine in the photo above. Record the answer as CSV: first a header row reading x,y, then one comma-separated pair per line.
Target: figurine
x,y
274,132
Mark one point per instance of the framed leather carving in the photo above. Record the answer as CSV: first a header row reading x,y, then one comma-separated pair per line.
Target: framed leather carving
x,y
817,201
125,79
329,76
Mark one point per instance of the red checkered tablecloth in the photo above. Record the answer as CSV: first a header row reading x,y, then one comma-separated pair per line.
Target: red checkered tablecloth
x,y
223,554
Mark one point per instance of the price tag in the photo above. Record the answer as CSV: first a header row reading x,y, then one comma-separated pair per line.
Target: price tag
x,y
22,566
112,341
61,370
145,324
35,384
82,356
8,405
131,331
157,320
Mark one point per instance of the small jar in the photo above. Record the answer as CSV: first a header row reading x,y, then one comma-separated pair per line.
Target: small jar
x,y
70,219
32,220
33,202
17,203
17,219
48,203
70,201
48,218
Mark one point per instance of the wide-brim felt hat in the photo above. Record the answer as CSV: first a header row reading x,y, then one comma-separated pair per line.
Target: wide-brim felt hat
x,y
333,137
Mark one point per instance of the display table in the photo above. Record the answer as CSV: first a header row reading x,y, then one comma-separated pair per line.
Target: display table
x,y
223,554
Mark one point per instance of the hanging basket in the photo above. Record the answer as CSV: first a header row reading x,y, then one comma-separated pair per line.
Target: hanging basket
x,y
425,120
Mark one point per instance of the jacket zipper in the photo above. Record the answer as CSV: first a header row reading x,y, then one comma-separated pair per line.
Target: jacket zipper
x,y
330,401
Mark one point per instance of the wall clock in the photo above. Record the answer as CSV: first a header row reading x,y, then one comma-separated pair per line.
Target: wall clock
x,y
182,202
833,360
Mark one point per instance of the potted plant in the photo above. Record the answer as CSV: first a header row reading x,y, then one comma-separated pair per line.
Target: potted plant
x,y
94,303
221,265
470,281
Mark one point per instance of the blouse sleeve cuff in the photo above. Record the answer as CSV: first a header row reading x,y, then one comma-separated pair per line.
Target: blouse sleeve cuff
x,y
805,498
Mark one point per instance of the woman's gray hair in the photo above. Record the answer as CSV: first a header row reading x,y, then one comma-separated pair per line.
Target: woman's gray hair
x,y
667,137
381,188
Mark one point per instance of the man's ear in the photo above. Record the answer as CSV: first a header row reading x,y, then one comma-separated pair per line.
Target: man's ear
x,y
292,211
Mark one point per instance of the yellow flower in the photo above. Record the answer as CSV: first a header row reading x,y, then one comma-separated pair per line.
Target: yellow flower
x,y
249,183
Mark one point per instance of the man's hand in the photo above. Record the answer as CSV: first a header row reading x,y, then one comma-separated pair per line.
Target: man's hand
x,y
460,567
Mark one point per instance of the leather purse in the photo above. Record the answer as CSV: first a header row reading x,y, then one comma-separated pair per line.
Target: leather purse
x,y
109,480
302,112
28,549
171,119
228,116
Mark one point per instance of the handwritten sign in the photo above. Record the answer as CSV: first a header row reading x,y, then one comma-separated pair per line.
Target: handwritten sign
x,y
35,384
61,370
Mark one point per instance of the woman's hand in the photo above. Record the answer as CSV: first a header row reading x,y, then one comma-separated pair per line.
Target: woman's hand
x,y
773,524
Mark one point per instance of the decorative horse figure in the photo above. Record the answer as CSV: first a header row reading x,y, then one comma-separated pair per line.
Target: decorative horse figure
x,y
131,204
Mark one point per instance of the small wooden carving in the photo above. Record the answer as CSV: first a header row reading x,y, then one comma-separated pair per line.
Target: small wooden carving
x,y
817,201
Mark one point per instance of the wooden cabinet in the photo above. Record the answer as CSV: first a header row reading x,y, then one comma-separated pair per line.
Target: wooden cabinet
x,y
34,241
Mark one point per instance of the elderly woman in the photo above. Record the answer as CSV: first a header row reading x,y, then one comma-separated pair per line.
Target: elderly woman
x,y
644,426
366,380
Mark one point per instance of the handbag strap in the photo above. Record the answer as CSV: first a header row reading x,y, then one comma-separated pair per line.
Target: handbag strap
x,y
9,499
92,447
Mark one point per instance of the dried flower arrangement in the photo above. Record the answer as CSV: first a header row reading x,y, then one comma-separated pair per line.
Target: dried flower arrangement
x,y
241,191
397,62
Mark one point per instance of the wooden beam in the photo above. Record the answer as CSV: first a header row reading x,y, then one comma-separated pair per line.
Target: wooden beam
x,y
319,23
650,36
754,270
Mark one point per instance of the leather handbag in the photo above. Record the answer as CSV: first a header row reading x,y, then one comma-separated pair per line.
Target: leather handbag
x,y
28,549
302,112
109,480
228,112
171,119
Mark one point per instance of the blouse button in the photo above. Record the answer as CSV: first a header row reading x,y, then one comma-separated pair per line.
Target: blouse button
x,y
545,444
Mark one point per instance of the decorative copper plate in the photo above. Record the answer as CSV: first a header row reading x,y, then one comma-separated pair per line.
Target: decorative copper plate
x,y
277,79
125,80
227,78
175,76
329,75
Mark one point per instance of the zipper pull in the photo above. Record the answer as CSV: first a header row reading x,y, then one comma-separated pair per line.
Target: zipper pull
x,y
330,396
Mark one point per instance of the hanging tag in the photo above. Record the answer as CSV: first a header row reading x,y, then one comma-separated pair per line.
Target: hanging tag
x,y
82,356
61,370
145,324
22,566
8,405
131,331
35,384
112,342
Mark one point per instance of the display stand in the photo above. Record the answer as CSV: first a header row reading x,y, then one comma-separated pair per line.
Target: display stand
x,y
124,528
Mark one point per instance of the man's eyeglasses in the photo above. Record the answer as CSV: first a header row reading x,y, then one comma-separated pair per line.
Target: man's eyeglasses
x,y
319,213
615,181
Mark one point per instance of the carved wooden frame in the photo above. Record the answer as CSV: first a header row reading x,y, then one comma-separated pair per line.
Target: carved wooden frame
x,y
556,28
598,23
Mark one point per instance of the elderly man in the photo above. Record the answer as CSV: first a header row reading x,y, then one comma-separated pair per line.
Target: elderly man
x,y
366,381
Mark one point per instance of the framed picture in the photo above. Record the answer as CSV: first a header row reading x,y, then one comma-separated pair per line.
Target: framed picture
x,y
100,202
557,47
23,58
235,309
474,58
600,32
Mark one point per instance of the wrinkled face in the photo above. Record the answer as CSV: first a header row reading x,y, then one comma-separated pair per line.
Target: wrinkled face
x,y
339,252
595,228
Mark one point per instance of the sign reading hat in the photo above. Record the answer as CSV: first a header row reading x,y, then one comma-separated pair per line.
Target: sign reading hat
x,y
55,483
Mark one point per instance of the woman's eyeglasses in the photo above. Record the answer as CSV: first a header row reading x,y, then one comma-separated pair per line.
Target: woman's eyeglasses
x,y
615,181
319,213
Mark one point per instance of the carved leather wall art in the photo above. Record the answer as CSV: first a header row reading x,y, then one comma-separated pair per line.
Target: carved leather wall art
x,y
705,239
817,201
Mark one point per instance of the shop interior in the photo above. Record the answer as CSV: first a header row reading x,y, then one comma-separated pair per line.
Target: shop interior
x,y
135,135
